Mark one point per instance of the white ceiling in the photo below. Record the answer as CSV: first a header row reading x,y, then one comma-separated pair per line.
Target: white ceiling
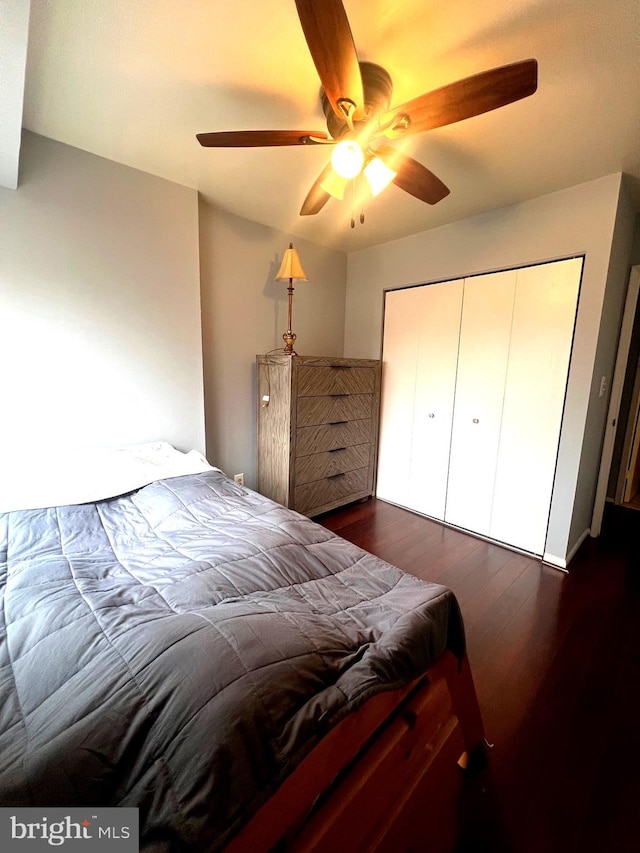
x,y
135,81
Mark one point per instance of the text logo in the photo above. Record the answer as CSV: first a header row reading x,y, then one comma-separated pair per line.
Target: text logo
x,y
99,829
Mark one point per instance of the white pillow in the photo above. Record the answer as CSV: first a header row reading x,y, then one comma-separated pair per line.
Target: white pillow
x,y
83,475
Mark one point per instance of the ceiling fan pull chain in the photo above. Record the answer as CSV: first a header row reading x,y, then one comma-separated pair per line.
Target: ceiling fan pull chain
x,y
353,204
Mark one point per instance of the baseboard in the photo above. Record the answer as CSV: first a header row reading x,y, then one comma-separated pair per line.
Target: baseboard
x,y
555,562
563,563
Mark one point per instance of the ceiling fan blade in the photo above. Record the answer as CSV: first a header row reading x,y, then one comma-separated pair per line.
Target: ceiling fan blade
x,y
328,34
466,98
412,176
316,197
259,138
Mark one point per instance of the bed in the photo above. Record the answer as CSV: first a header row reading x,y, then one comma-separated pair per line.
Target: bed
x,y
243,676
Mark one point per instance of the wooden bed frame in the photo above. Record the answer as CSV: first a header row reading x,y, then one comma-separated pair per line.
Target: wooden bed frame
x,y
386,778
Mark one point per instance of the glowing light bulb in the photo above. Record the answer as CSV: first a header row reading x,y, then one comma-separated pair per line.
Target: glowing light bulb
x,y
347,158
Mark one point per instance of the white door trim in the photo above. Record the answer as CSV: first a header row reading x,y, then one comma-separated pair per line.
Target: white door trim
x,y
615,399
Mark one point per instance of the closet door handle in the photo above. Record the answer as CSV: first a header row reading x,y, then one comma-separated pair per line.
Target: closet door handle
x,y
476,420
431,415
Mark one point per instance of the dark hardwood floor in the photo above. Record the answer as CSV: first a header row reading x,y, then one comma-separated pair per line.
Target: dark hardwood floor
x,y
556,663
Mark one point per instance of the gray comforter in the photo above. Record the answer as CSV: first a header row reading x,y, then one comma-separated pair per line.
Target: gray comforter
x,y
183,647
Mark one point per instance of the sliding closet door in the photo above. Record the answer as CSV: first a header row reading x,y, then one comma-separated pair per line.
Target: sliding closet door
x,y
541,337
482,369
439,332
399,362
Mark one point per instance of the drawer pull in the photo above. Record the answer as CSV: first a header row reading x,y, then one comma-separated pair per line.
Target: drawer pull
x,y
333,476
340,367
337,423
337,449
339,395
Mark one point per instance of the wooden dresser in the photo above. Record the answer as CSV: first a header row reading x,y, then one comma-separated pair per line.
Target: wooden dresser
x,y
317,430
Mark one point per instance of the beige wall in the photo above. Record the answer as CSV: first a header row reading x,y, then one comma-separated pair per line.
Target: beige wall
x,y
578,220
100,340
244,313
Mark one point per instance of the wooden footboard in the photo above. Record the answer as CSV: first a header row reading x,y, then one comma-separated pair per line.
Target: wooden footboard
x,y
384,779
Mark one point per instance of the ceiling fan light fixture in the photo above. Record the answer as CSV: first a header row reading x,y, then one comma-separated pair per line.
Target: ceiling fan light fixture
x,y
334,184
378,175
347,159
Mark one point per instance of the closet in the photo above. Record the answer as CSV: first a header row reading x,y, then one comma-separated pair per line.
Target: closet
x,y
474,379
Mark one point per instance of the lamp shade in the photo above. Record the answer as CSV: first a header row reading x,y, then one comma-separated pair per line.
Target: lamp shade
x,y
378,175
334,184
291,266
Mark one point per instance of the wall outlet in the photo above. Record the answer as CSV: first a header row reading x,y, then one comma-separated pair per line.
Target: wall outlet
x,y
239,478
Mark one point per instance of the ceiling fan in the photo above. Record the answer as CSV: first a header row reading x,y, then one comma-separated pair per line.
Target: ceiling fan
x,y
356,99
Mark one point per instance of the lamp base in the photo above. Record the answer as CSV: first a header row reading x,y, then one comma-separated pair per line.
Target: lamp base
x,y
289,339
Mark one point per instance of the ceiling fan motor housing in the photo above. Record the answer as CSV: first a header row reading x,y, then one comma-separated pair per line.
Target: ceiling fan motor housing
x,y
377,88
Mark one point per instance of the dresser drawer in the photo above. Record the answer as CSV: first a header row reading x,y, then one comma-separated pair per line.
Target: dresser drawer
x,y
316,439
326,491
335,408
321,465
318,381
